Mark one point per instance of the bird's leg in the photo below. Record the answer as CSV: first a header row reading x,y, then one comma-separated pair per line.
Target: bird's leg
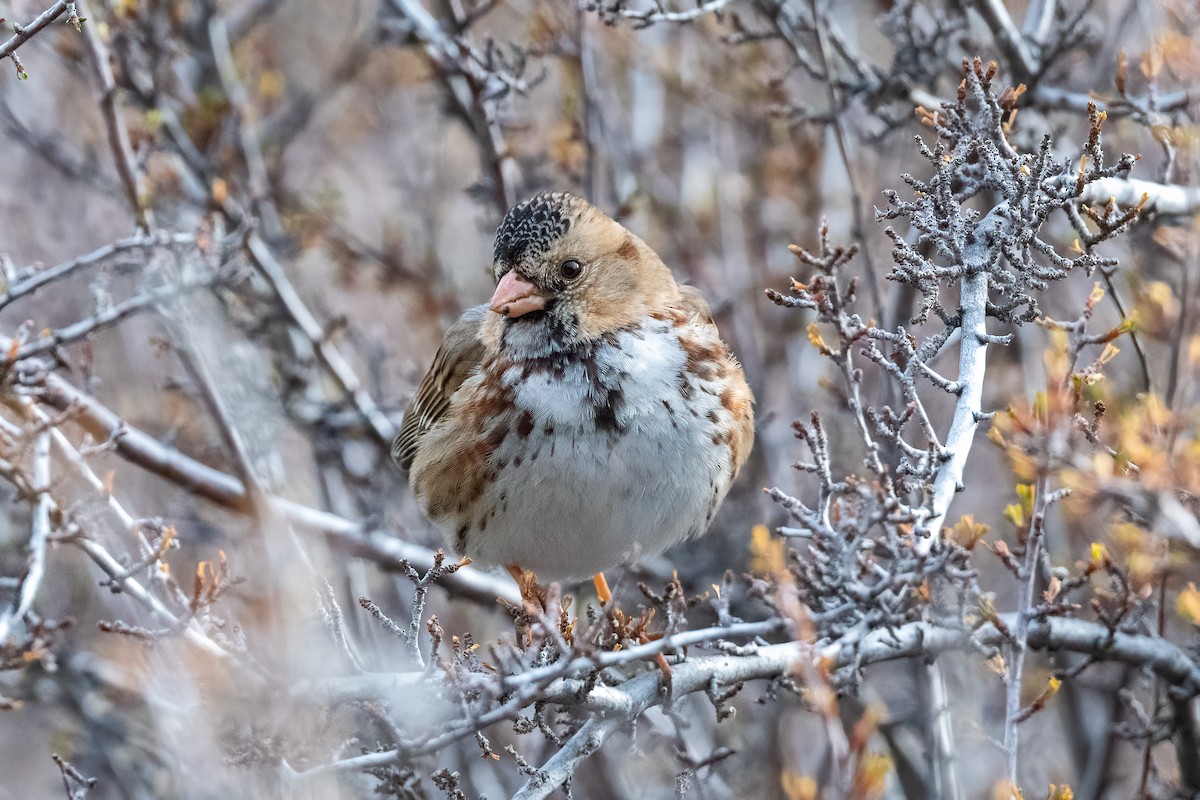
x,y
603,593
660,660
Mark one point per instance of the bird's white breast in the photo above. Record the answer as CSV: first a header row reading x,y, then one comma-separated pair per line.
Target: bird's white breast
x,y
619,461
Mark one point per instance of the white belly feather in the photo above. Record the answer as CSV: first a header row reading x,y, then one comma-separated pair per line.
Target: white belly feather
x,y
575,496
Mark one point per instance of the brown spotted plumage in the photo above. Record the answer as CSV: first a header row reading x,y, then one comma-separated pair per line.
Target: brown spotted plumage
x,y
588,414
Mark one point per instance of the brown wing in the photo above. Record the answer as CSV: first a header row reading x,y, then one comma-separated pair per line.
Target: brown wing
x,y
459,356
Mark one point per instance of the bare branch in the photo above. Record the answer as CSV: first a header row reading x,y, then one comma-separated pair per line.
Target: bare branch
x,y
26,32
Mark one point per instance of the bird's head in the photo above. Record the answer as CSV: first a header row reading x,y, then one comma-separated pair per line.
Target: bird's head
x,y
566,273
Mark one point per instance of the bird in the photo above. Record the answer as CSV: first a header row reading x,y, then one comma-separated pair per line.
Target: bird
x,y
588,415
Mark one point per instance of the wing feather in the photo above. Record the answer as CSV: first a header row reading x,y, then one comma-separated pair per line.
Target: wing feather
x,y
457,358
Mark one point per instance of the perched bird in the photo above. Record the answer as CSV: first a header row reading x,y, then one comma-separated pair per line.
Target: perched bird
x,y
589,413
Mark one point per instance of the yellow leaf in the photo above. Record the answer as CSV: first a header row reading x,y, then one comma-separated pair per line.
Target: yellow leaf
x,y
870,778
814,337
1014,513
1099,554
1006,791
967,532
1040,405
996,437
798,787
271,84
1025,491
1187,605
1051,689
767,552
1060,793
1152,62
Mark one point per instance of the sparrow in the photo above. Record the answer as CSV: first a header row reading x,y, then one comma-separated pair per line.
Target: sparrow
x,y
587,415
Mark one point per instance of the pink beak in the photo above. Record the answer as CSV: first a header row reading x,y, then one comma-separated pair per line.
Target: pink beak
x,y
516,296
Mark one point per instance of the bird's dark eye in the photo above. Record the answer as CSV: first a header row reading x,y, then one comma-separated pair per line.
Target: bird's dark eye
x,y
570,269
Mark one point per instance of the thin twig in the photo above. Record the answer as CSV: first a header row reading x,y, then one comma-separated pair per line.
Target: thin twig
x,y
26,32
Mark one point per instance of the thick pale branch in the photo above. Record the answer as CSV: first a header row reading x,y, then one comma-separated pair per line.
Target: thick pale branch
x,y
619,705
1163,198
659,14
972,362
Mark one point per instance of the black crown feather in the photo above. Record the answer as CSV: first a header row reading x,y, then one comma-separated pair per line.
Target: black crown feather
x,y
532,227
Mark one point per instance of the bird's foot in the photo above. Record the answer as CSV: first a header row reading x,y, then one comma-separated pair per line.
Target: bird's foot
x,y
603,593
534,596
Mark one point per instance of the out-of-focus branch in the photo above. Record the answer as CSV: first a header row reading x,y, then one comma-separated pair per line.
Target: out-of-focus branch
x,y
142,449
118,573
136,243
840,135
242,19
1039,16
381,427
103,319
387,551
1008,36
118,133
1053,98
56,154
223,489
247,128
454,58
1034,547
